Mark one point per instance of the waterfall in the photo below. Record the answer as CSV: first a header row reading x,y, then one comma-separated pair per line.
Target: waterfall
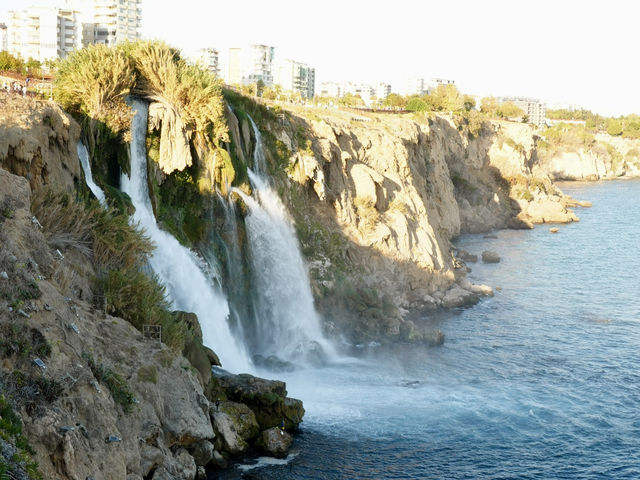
x,y
179,269
83,154
287,324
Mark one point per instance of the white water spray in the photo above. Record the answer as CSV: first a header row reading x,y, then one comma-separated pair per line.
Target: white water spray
x,y
83,154
179,269
286,321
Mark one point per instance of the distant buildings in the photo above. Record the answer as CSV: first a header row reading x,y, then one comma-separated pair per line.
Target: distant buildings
x,y
330,89
297,77
208,59
382,90
534,109
421,86
251,64
45,33
109,22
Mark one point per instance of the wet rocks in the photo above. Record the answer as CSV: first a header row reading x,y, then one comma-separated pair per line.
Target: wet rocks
x,y
490,257
266,398
457,296
275,442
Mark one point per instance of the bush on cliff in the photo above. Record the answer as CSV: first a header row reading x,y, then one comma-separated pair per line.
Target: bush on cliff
x,y
94,82
118,252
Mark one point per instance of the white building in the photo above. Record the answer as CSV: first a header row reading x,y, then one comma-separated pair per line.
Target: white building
x,y
382,90
296,77
416,86
330,89
43,33
208,58
4,39
532,108
109,22
251,64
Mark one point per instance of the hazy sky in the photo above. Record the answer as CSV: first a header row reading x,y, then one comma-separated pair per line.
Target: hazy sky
x,y
570,51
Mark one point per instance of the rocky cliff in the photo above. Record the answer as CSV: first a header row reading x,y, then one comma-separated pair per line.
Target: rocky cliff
x,y
377,199
95,398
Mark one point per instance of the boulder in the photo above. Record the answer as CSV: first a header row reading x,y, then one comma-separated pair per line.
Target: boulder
x,y
485,290
202,453
275,442
467,257
266,398
490,257
234,425
457,296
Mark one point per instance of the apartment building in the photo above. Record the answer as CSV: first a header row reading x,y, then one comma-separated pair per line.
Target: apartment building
x,y
296,77
532,108
251,64
209,59
43,33
109,22
382,90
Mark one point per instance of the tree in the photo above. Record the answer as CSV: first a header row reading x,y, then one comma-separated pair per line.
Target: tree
x,y
445,98
489,105
509,110
9,62
350,100
416,104
468,102
614,127
395,101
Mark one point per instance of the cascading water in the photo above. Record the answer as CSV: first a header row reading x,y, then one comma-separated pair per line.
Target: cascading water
x,y
83,154
287,324
179,269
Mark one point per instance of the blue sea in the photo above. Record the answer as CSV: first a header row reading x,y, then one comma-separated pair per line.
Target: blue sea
x,y
541,381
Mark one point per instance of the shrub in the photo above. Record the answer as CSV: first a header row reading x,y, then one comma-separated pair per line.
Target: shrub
x,y
95,81
117,386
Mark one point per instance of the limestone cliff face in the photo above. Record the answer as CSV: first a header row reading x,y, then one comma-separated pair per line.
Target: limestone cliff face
x,y
611,157
377,200
38,141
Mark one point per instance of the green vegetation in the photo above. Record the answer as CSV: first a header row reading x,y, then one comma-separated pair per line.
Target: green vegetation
x,y
11,63
95,80
118,251
495,109
117,386
19,462
625,126
568,137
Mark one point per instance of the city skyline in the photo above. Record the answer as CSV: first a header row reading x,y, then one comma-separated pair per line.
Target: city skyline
x,y
560,52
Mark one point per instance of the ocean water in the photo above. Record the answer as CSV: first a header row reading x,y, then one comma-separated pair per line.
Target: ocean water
x,y
542,381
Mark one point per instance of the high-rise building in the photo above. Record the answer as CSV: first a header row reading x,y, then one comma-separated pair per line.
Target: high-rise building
x,y
208,58
251,64
109,22
297,77
43,33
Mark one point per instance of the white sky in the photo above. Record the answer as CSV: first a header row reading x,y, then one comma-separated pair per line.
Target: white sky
x,y
569,51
